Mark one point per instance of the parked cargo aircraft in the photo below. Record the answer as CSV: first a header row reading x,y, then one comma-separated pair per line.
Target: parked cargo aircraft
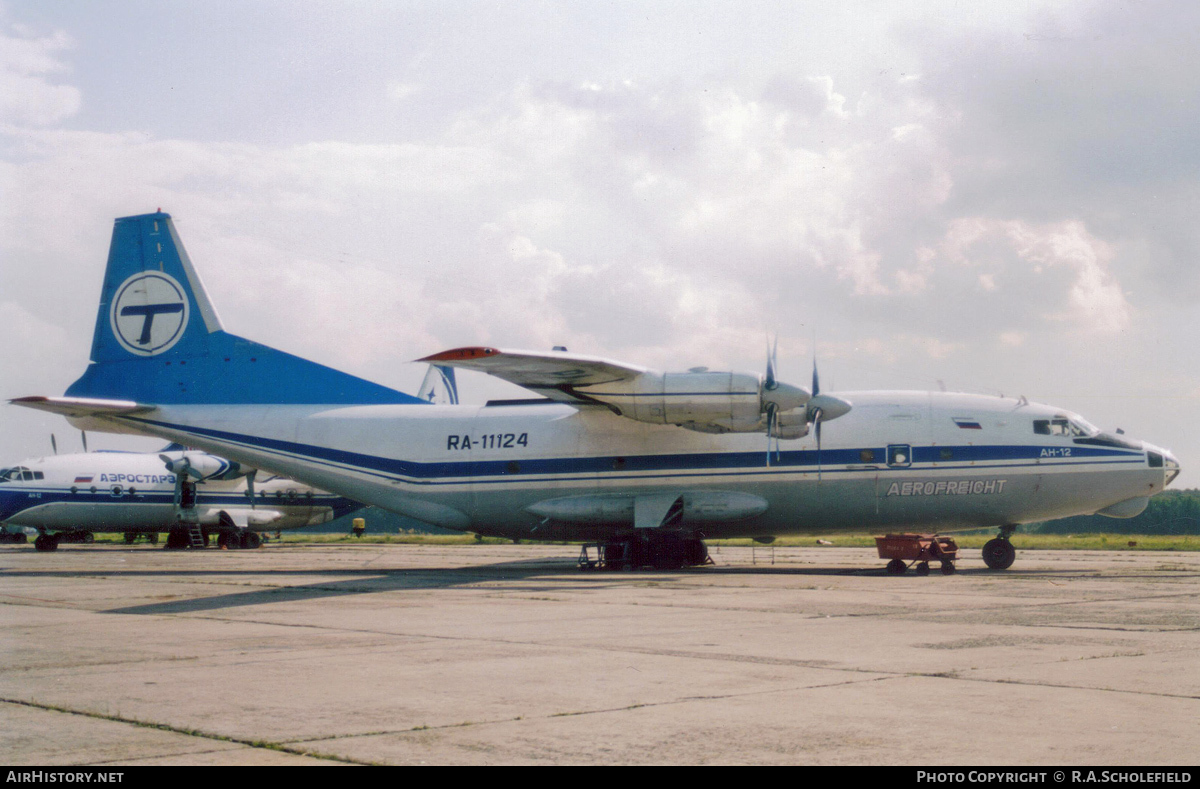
x,y
68,497
647,463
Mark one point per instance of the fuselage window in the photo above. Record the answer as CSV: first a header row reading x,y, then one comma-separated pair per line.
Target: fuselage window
x,y
899,455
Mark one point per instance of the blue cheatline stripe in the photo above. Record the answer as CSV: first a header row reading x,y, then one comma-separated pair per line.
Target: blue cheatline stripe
x,y
104,496
697,464
20,502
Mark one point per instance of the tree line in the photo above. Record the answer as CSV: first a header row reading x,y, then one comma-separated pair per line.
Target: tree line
x,y
1170,512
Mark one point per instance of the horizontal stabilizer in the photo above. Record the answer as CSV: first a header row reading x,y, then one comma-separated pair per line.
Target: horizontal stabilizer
x,y
79,407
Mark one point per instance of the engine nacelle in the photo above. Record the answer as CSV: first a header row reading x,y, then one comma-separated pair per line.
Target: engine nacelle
x,y
711,402
791,424
203,466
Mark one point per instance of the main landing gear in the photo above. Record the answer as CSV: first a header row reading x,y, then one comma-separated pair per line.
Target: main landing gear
x,y
236,540
662,552
181,539
999,554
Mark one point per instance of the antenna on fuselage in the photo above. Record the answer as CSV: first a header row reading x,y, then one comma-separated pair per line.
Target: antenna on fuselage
x,y
53,443
84,434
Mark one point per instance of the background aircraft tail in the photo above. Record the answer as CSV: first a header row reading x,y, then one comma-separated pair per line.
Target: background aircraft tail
x,y
159,340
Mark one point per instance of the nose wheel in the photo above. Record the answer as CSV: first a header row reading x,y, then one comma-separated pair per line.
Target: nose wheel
x,y
999,553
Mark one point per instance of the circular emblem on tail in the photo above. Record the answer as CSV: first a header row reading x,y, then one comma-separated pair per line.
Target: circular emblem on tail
x,y
149,313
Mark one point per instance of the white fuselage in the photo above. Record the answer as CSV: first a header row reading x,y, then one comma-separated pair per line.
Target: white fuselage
x,y
926,460
133,492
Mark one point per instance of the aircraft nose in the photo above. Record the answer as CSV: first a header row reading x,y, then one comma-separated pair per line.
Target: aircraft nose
x,y
1171,466
1164,458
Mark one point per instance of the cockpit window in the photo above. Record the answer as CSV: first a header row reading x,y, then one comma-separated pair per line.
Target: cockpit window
x,y
19,474
1060,426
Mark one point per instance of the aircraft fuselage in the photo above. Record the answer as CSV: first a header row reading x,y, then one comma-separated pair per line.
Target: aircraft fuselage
x,y
931,460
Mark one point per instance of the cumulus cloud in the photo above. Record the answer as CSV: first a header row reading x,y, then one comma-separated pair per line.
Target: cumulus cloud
x,y
992,217
27,65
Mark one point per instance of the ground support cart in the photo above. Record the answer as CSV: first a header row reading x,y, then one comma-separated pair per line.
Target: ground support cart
x,y
904,550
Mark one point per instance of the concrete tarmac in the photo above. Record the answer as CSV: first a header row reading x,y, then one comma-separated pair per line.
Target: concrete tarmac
x,y
508,654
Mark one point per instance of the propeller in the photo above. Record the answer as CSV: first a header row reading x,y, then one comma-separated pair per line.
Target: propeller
x,y
777,397
822,408
815,412
182,467
770,384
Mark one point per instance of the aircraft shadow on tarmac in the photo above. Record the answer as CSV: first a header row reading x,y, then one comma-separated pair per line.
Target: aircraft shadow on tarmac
x,y
372,581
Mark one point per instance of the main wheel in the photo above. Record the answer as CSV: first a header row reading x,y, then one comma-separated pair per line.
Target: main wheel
x,y
46,542
697,552
614,555
999,554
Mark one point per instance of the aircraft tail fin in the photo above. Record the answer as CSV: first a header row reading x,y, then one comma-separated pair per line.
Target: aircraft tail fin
x,y
439,385
158,338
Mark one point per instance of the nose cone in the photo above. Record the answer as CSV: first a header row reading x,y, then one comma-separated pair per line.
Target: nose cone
x,y
831,407
1172,468
1157,456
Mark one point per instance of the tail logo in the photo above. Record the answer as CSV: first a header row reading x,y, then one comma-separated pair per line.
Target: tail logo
x,y
149,313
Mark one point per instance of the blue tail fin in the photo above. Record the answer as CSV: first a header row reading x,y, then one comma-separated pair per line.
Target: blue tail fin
x,y
159,340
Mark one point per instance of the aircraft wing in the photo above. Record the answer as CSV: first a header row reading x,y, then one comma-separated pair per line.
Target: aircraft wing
x,y
74,407
553,374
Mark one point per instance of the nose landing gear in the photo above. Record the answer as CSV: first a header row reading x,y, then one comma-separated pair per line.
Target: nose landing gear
x,y
999,554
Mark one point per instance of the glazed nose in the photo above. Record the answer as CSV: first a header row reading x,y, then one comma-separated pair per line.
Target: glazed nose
x,y
1171,467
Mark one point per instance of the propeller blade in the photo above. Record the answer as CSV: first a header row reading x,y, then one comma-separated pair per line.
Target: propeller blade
x,y
250,485
816,387
771,416
771,382
817,428
54,443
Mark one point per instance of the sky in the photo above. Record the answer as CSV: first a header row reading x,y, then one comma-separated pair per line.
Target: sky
x,y
997,198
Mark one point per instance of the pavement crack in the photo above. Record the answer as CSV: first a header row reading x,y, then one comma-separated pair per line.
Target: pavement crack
x,y
259,744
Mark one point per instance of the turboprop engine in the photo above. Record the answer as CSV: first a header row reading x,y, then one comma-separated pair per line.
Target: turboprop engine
x,y
202,466
711,402
721,402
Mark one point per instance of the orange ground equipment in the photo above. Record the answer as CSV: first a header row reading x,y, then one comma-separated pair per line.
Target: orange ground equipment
x,y
921,549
